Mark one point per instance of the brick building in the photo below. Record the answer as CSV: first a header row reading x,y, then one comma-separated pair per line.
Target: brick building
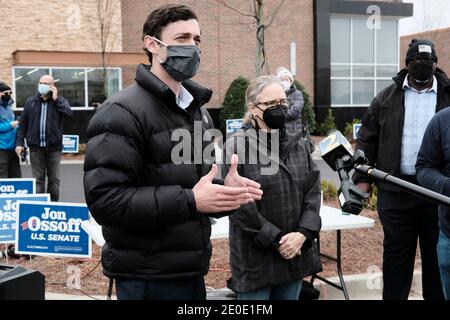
x,y
328,44
441,40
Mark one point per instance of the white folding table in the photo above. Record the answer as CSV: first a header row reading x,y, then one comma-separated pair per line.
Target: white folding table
x,y
335,220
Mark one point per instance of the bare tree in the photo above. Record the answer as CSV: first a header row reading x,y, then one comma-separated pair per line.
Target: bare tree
x,y
105,17
256,12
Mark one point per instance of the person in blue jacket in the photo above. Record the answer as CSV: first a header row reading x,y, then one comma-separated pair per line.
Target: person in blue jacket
x,y
9,160
433,172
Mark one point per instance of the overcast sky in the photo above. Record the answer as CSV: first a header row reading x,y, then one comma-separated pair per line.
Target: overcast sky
x,y
428,15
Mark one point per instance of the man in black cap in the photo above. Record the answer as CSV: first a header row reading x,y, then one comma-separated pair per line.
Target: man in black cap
x,y
391,134
9,161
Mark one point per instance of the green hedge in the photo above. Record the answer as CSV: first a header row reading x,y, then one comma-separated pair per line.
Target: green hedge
x,y
329,190
233,106
327,124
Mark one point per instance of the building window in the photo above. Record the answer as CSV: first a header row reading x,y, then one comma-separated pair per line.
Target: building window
x,y
77,85
70,84
97,86
363,60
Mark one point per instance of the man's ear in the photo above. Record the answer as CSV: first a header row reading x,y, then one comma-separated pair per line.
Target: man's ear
x,y
434,67
150,44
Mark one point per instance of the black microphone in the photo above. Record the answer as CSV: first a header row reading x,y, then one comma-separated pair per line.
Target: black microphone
x,y
333,147
24,155
337,152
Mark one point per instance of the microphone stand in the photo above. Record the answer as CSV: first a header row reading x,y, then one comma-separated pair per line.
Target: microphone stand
x,y
402,184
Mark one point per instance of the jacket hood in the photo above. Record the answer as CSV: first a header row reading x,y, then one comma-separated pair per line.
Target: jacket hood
x,y
147,80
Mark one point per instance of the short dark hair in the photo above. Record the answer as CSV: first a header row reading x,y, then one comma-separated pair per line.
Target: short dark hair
x,y
100,98
163,16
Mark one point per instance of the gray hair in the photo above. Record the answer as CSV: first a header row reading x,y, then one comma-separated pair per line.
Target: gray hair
x,y
257,85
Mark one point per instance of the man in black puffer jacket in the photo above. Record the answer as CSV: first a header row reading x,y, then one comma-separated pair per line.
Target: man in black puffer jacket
x,y
153,208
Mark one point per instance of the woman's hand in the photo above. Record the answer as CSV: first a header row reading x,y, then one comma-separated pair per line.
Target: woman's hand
x,y
290,245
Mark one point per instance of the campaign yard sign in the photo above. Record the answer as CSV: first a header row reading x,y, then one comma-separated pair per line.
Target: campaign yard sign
x,y
234,125
70,143
17,186
9,211
52,229
356,128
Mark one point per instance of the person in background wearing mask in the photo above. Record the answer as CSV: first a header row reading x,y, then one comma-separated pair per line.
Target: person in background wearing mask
x,y
272,242
154,210
296,102
9,161
42,126
391,133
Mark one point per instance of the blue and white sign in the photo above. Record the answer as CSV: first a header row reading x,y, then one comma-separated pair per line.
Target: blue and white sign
x,y
70,143
9,211
356,128
52,229
17,186
233,125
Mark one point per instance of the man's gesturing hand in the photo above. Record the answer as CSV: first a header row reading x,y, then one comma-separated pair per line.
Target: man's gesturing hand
x,y
233,179
213,198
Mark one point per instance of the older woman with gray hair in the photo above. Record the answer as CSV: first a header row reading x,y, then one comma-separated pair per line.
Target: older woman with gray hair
x,y
272,241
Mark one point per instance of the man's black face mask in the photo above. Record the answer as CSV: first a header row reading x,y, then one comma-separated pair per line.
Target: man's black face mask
x,y
421,71
182,61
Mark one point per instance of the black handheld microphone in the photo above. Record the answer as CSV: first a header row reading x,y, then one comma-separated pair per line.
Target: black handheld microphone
x,y
338,154
334,147
24,154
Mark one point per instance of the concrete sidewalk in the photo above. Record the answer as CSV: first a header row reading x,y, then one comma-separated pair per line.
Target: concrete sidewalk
x,y
359,287
365,287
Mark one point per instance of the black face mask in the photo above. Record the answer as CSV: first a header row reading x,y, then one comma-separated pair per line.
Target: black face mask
x,y
274,118
182,61
422,71
5,99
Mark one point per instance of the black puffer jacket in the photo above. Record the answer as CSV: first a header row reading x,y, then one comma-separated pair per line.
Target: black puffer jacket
x,y
143,200
380,136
